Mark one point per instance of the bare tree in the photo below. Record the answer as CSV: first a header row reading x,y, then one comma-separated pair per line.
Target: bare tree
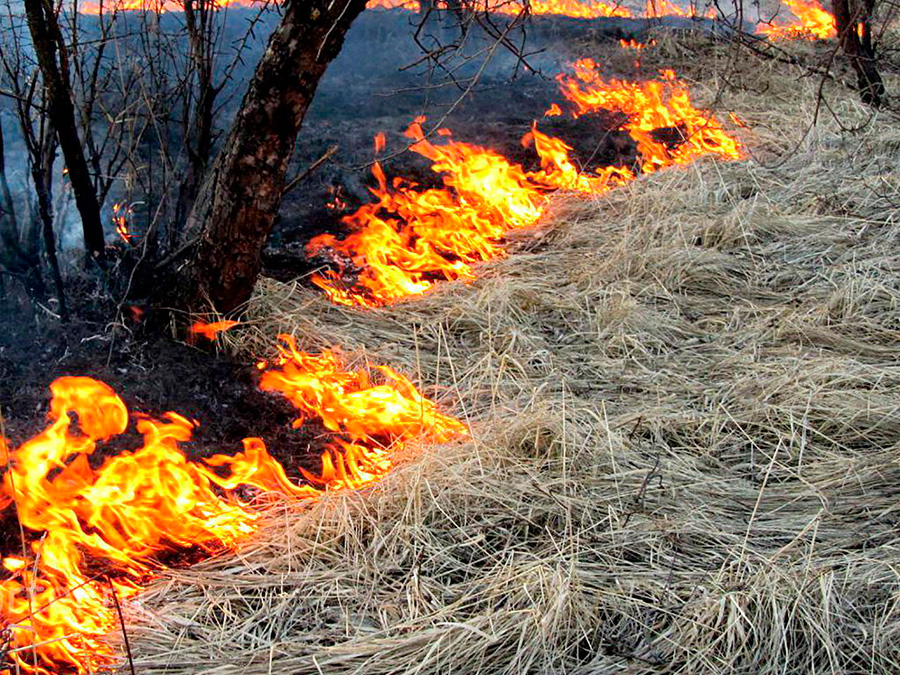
x,y
240,197
51,52
23,238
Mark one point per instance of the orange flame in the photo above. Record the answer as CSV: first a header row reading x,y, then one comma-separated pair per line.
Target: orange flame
x,y
811,22
553,111
558,171
95,531
580,9
411,5
668,129
410,238
590,9
121,214
210,330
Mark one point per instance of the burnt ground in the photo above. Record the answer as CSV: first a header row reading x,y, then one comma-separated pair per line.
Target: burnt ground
x,y
152,375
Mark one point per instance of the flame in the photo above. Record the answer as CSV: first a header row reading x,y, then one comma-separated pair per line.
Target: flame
x,y
737,121
580,9
410,5
120,217
93,532
410,238
651,108
811,22
589,9
558,171
631,44
210,330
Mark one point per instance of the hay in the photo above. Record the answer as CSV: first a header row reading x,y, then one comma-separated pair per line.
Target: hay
x,y
685,411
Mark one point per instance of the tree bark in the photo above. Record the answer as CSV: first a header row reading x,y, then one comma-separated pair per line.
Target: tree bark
x,y
239,199
50,50
848,14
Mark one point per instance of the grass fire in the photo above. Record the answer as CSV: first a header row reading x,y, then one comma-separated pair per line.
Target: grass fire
x,y
102,531
587,364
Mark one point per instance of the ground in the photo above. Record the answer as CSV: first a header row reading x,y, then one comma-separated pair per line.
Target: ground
x,y
683,399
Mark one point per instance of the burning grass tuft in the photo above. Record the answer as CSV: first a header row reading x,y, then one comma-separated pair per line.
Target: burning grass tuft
x,y
684,406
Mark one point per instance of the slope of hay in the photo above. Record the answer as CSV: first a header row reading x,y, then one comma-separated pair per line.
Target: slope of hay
x,y
685,412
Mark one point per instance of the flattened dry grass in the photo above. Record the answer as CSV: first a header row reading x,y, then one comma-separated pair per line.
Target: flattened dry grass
x,y
685,412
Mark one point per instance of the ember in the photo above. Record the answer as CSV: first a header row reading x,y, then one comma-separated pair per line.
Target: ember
x,y
121,216
210,330
95,532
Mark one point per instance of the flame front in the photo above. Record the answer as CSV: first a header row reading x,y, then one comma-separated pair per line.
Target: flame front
x,y
410,239
659,114
401,245
812,21
90,532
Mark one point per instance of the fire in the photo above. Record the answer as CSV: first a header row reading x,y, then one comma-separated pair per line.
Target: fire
x,y
558,171
668,129
411,5
582,9
634,44
589,9
812,22
121,215
410,238
111,6
210,330
658,8
95,532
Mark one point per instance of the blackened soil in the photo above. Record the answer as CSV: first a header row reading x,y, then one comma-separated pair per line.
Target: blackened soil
x,y
152,376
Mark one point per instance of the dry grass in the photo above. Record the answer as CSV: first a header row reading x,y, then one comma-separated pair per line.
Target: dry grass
x,y
686,432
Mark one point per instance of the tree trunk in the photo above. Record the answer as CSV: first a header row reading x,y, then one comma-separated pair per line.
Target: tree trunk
x,y
239,199
48,46
848,14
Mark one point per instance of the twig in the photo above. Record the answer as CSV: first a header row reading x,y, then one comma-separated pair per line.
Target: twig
x,y
312,167
177,253
115,597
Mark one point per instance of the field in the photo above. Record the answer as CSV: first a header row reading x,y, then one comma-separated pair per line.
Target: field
x,y
685,413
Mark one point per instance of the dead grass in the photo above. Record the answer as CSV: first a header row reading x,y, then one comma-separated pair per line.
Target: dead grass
x,y
685,411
